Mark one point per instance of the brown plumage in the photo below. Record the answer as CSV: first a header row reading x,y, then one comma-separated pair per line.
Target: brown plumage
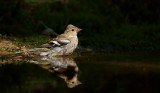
x,y
63,44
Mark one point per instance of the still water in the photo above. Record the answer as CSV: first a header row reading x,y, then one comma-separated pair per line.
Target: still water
x,y
131,72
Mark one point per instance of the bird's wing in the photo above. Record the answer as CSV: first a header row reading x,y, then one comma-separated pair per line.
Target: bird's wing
x,y
62,40
49,44
59,41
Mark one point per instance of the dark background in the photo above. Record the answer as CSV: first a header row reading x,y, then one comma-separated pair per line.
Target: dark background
x,y
106,24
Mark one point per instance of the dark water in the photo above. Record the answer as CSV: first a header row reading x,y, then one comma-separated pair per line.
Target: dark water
x,y
131,72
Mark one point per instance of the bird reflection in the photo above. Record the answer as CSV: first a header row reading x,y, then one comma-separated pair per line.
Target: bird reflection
x,y
65,67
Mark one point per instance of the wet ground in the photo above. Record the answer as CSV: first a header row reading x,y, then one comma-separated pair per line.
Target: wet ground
x,y
121,72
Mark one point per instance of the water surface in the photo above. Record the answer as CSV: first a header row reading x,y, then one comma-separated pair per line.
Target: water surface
x,y
131,72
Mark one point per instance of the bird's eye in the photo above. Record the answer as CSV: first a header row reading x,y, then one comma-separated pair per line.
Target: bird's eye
x,y
72,29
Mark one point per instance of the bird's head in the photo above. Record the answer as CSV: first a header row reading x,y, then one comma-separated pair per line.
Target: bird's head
x,y
72,29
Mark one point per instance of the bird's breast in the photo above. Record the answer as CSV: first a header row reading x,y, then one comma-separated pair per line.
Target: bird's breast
x,y
72,45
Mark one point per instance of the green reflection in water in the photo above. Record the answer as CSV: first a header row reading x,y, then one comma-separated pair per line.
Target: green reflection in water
x,y
99,73
25,78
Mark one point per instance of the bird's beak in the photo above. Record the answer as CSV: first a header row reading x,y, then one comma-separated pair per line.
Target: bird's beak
x,y
79,29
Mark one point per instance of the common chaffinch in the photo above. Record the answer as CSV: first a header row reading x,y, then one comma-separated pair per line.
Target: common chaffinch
x,y
63,44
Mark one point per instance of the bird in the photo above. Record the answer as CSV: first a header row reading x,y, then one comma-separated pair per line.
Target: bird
x,y
64,44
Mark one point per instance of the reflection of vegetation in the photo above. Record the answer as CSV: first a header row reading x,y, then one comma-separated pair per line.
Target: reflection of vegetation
x,y
119,78
105,23
25,78
100,73
64,67
22,77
